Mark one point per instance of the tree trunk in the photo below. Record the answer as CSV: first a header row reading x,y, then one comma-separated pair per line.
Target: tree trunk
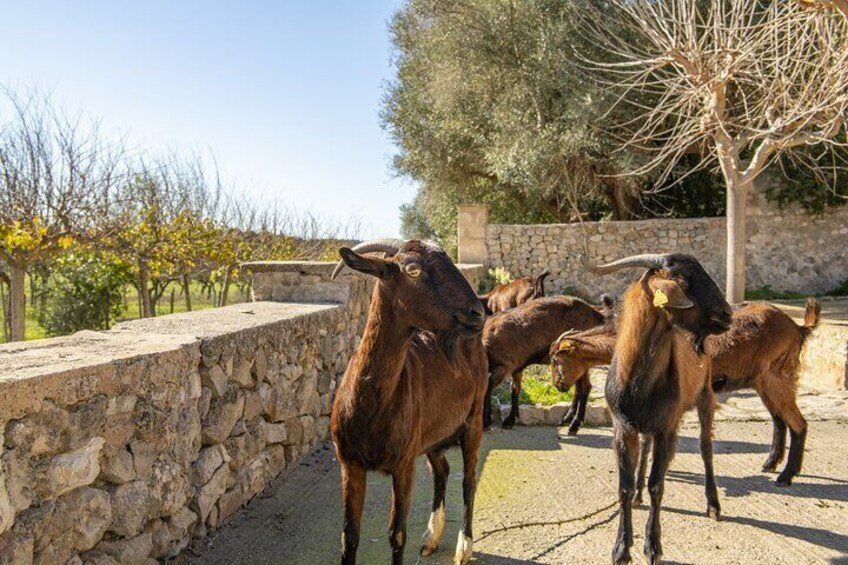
x,y
187,292
17,303
736,237
5,305
173,299
144,290
225,290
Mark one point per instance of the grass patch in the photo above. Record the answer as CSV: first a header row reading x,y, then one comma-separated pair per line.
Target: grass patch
x,y
767,293
841,290
199,301
536,388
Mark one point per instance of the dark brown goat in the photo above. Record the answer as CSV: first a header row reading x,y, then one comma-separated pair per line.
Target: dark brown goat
x,y
522,336
509,295
761,350
658,372
414,386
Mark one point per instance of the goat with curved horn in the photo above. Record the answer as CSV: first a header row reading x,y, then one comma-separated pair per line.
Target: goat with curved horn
x,y
645,260
389,246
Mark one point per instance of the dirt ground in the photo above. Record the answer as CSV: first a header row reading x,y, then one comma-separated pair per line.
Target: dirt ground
x,y
548,498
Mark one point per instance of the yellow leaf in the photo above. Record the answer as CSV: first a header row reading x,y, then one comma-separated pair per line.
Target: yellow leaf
x,y
66,241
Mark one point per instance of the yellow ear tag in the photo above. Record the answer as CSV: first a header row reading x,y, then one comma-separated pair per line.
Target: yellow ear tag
x,y
660,299
565,345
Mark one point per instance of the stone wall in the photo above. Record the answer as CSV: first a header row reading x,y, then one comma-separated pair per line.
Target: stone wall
x,y
122,446
787,249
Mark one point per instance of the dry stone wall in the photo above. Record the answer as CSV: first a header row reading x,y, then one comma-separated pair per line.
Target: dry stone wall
x,y
122,446
787,249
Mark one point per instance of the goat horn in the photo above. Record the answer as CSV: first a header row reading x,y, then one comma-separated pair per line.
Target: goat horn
x,y
388,246
646,260
572,331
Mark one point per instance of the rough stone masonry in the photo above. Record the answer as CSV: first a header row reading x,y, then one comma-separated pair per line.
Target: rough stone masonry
x,y
121,446
787,249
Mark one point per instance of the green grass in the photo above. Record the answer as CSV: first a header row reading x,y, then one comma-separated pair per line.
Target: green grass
x,y
199,301
536,388
767,293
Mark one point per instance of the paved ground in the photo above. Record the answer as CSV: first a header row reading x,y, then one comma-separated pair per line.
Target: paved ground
x,y
548,498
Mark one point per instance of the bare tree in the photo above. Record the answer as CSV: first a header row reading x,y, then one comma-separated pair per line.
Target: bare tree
x,y
740,81
56,176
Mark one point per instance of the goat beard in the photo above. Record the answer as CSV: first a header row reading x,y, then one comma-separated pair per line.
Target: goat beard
x,y
447,341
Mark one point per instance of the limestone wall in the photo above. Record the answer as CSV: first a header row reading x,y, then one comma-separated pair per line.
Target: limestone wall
x,y
122,446
787,249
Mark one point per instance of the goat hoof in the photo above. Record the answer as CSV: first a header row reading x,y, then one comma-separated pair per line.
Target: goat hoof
x,y
653,551
714,512
566,420
428,550
508,424
637,499
620,554
572,430
783,480
770,466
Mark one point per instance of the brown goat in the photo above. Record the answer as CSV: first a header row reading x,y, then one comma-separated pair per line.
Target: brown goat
x,y
658,372
760,351
509,295
415,385
522,336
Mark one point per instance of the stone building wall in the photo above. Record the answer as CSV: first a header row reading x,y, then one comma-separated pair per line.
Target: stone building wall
x,y
122,446
788,249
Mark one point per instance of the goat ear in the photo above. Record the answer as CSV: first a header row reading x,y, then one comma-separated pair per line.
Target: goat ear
x,y
668,294
373,266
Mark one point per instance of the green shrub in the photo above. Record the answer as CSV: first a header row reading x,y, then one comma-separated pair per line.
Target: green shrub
x,y
85,292
767,293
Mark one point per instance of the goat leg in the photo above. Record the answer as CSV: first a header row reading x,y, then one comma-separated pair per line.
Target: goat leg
x,y
568,417
436,525
705,418
625,444
645,442
353,497
469,443
487,406
401,497
778,444
583,387
516,394
798,437
663,452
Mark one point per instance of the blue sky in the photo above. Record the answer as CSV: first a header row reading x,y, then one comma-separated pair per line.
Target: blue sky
x,y
285,94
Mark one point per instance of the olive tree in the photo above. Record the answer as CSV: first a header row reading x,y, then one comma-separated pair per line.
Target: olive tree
x,y
740,82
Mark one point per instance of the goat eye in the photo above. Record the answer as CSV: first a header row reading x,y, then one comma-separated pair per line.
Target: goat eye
x,y
413,270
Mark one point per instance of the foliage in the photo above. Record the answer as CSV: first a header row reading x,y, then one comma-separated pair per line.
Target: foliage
x,y
488,106
85,293
841,290
536,388
767,293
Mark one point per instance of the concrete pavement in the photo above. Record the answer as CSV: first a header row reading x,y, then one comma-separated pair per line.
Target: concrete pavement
x,y
548,498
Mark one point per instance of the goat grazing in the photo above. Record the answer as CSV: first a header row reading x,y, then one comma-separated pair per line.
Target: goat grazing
x,y
572,355
415,385
658,372
509,295
761,350
522,336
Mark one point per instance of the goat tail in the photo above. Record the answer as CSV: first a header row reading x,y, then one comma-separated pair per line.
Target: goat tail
x,y
539,284
812,315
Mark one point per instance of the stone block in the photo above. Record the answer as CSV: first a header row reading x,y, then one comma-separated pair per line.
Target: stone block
x,y
131,507
76,468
